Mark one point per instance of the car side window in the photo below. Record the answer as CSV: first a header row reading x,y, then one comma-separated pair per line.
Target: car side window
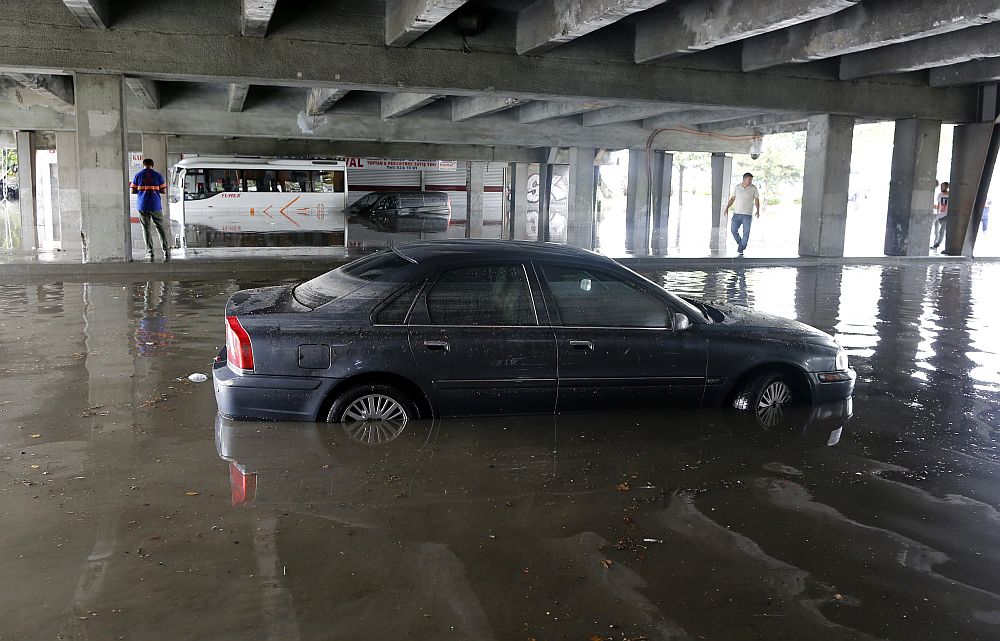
x,y
394,313
482,295
587,298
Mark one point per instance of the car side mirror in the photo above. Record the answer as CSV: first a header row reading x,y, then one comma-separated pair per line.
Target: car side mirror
x,y
681,322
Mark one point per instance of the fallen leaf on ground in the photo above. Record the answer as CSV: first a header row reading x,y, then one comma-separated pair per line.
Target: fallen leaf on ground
x,y
624,487
191,494
34,436
607,563
35,467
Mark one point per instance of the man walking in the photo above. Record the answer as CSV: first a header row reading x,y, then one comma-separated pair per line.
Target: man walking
x,y
149,184
941,220
747,199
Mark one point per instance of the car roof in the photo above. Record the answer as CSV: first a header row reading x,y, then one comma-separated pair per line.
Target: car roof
x,y
431,250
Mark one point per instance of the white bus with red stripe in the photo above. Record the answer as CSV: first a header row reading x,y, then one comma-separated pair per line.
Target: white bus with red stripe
x,y
258,202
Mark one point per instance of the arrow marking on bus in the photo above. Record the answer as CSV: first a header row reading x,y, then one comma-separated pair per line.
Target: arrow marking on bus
x,y
265,210
282,211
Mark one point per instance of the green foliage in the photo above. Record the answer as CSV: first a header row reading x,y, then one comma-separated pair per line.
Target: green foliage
x,y
780,165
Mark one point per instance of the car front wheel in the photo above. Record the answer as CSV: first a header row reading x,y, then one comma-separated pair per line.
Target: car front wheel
x,y
373,402
768,395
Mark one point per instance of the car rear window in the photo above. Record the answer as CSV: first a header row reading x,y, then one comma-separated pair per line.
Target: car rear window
x,y
344,280
411,200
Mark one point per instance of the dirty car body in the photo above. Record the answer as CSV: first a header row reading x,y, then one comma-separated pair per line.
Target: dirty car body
x,y
451,328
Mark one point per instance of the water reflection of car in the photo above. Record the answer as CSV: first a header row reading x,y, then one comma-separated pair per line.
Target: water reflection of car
x,y
489,327
404,211
305,461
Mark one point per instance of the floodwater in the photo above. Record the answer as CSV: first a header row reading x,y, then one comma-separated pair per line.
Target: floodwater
x,y
129,511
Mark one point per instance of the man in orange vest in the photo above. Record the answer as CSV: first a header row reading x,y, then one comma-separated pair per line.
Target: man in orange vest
x,y
149,184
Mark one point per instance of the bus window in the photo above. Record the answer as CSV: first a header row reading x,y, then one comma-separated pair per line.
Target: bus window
x,y
330,181
294,181
194,185
220,180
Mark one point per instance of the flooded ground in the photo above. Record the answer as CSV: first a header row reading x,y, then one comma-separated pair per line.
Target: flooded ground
x,y
128,511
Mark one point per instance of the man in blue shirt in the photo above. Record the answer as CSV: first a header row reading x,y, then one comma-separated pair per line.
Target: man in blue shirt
x,y
149,184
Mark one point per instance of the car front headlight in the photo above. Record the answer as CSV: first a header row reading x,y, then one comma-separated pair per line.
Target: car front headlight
x,y
842,364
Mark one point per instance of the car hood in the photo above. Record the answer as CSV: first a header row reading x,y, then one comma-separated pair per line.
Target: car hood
x,y
759,324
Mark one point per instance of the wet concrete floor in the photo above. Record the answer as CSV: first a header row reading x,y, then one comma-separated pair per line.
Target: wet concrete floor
x,y
128,511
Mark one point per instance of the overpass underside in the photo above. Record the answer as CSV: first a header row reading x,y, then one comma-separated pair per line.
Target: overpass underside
x,y
509,81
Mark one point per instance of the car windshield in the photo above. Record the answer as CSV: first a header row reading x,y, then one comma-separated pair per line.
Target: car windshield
x,y
344,280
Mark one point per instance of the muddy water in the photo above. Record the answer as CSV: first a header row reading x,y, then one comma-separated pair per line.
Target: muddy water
x,y
127,510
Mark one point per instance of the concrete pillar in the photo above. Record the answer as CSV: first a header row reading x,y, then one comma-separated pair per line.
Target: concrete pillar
x,y
26,149
911,187
637,204
519,200
969,156
544,200
722,182
663,171
475,177
69,190
101,132
582,195
154,146
825,183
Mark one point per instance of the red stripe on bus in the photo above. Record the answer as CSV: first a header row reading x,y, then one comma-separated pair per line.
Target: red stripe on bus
x,y
385,188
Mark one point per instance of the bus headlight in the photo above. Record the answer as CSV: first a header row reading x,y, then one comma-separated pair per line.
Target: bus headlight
x,y
842,364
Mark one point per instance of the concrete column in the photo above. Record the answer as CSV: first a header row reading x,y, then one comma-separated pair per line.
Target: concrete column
x,y
663,171
826,178
101,135
544,200
582,195
155,146
722,183
26,149
911,187
637,204
475,177
69,190
969,157
519,201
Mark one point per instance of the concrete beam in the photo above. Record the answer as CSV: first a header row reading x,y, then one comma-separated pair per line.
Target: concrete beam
x,y
407,20
969,156
865,26
26,174
695,25
465,108
434,127
475,178
255,16
321,99
545,24
237,96
695,116
207,145
581,198
637,203
70,221
55,89
394,105
754,122
306,54
612,115
91,13
546,110
146,91
519,199
966,73
939,51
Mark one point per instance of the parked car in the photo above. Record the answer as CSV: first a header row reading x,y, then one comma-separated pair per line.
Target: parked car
x,y
463,327
396,211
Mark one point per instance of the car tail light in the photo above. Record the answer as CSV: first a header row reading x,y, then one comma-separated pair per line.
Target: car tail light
x,y
244,486
239,349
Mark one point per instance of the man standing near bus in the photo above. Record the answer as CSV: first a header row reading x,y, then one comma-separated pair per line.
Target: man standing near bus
x,y
149,184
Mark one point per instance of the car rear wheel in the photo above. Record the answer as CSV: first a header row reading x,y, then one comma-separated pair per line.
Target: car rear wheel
x,y
768,395
382,403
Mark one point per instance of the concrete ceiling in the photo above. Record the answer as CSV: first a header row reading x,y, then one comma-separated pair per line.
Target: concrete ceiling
x,y
509,74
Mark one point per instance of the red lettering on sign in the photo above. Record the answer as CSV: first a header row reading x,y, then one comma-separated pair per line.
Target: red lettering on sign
x,y
230,195
355,162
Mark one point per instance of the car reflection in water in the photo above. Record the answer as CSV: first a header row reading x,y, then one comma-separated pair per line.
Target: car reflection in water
x,y
368,465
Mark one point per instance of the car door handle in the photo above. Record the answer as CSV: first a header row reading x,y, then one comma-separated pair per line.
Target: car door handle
x,y
582,345
441,346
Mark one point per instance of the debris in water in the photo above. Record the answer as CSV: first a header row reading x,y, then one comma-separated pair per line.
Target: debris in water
x,y
197,377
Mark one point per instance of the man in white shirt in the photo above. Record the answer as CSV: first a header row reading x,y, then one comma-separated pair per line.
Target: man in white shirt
x,y
747,198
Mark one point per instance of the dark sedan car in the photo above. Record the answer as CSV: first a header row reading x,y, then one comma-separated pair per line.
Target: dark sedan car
x,y
453,328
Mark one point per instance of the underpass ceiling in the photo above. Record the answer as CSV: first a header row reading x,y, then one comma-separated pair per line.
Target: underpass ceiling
x,y
185,58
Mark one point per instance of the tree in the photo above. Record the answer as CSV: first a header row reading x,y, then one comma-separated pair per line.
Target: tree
x,y
689,160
